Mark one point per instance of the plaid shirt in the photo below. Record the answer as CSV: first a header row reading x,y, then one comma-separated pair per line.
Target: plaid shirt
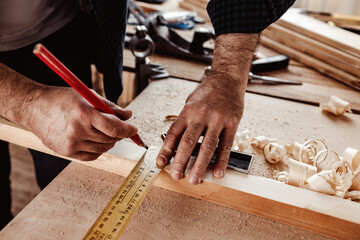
x,y
245,16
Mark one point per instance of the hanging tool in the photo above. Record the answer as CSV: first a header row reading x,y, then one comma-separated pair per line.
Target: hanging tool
x,y
142,46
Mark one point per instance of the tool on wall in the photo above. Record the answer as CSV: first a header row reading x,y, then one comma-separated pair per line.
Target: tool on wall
x,y
142,46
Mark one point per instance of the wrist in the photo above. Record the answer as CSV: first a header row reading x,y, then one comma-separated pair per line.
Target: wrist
x,y
234,52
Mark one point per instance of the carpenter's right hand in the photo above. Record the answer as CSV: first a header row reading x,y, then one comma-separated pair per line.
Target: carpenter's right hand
x,y
68,124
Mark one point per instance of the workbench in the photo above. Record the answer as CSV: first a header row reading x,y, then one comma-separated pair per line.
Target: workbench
x,y
69,205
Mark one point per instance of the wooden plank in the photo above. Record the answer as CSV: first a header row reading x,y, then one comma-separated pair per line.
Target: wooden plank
x,y
312,62
313,28
314,82
321,51
257,195
163,215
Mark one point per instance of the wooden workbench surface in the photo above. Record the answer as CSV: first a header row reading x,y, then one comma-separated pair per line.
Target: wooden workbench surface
x,y
70,204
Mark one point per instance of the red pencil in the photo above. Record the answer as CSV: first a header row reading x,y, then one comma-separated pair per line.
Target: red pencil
x,y
51,61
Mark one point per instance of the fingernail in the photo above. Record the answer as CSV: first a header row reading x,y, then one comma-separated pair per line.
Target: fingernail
x,y
194,180
176,175
219,172
161,160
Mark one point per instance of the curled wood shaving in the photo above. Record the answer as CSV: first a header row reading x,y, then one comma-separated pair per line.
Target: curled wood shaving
x,y
319,184
281,176
310,149
294,150
336,106
353,195
330,182
261,141
170,118
327,160
352,157
274,152
355,182
242,140
299,172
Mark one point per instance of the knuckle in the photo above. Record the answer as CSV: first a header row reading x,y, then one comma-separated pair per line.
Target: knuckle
x,y
171,135
207,148
222,162
200,167
225,148
232,122
179,166
188,140
195,126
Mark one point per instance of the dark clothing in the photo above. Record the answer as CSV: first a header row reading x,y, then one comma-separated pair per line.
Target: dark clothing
x,y
5,193
76,45
245,16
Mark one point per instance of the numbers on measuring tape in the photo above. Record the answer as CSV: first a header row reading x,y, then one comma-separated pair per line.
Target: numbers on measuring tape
x,y
119,211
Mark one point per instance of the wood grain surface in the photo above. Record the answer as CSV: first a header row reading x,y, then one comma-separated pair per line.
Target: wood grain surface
x,y
263,116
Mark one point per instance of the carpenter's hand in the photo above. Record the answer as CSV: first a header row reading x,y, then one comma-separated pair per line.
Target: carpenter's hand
x,y
215,108
66,123
211,109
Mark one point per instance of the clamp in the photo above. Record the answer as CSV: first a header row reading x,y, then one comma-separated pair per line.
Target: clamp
x,y
141,47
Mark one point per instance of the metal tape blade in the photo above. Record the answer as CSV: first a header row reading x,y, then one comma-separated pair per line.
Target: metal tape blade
x,y
121,208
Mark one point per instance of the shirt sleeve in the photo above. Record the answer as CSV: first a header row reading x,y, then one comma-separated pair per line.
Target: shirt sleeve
x,y
245,16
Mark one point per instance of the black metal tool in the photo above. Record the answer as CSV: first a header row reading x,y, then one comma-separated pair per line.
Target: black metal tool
x,y
142,46
269,63
167,41
239,162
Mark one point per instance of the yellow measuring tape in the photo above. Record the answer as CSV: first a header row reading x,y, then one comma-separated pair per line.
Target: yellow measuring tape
x,y
117,214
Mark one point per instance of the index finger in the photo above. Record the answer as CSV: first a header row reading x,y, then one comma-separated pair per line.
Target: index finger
x,y
171,141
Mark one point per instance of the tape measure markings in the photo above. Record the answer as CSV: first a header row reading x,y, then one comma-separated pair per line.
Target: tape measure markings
x,y
123,205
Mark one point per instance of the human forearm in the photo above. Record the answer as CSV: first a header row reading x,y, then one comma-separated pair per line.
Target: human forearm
x,y
62,119
17,94
233,54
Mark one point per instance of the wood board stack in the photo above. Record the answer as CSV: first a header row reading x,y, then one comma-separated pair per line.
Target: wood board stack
x,y
328,49
196,5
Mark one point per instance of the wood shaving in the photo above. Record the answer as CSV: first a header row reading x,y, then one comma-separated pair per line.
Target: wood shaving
x,y
353,195
282,176
294,150
261,141
352,157
299,172
330,182
355,182
310,149
274,152
336,106
170,118
328,159
242,140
